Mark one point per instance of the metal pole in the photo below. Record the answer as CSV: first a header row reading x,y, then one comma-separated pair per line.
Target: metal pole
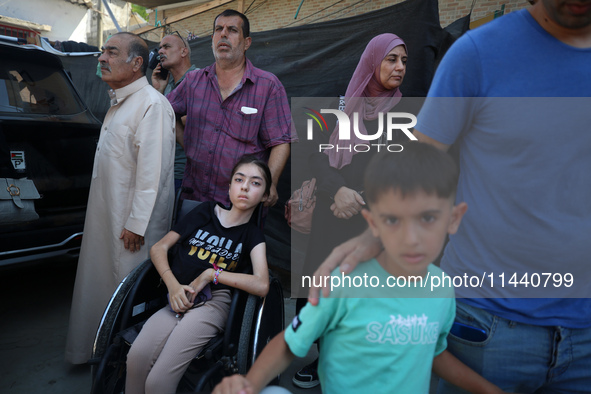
x,y
99,23
111,15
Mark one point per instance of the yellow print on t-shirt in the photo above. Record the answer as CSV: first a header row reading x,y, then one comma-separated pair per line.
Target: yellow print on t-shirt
x,y
214,249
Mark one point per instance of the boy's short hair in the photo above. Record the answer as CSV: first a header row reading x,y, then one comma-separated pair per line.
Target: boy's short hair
x,y
418,167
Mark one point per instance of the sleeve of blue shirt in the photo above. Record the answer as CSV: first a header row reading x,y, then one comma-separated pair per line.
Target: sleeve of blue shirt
x,y
449,108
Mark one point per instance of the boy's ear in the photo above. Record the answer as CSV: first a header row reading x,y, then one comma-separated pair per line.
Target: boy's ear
x,y
457,212
370,221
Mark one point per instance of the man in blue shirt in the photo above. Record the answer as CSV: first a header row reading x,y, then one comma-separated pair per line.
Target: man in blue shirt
x,y
513,95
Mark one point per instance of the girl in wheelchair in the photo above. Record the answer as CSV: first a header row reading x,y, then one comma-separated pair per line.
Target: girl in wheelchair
x,y
213,245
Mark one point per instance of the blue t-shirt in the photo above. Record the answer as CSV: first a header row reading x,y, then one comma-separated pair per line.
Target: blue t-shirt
x,y
517,101
374,345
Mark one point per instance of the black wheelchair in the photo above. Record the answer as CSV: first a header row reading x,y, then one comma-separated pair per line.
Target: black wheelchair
x,y
252,322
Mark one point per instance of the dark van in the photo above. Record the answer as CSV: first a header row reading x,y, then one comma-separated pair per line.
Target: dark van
x,y
49,136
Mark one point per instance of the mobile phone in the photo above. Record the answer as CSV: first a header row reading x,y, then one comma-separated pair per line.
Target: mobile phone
x,y
163,72
153,61
469,333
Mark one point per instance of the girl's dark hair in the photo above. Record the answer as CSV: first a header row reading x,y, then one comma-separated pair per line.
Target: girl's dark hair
x,y
418,167
250,159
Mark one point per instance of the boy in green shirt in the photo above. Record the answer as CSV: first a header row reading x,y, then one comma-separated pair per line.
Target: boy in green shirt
x,y
384,327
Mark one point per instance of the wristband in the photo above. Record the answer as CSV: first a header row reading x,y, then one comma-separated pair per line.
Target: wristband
x,y
215,276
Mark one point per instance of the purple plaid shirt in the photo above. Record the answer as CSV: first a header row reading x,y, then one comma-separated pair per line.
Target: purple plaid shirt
x,y
253,119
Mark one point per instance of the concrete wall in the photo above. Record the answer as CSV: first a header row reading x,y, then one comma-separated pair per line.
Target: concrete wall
x,y
68,21
63,17
122,12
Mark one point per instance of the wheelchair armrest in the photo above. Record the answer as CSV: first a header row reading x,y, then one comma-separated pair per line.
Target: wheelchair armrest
x,y
234,321
185,207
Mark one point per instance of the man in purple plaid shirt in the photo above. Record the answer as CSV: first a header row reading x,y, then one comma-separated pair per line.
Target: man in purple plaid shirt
x,y
233,109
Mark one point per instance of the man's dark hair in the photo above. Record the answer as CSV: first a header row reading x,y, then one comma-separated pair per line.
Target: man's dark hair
x,y
418,167
137,47
245,22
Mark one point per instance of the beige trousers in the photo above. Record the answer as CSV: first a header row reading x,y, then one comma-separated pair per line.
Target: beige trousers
x,y
163,350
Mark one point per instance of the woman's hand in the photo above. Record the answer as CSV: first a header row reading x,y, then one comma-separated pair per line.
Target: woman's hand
x,y
347,203
181,298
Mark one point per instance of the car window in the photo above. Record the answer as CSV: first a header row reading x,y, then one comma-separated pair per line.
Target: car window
x,y
36,89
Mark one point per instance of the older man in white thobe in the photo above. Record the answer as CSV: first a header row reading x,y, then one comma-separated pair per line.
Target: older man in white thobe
x,y
132,189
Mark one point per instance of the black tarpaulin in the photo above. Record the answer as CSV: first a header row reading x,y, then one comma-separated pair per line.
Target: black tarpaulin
x,y
317,60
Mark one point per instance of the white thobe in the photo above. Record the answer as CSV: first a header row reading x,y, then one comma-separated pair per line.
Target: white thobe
x,y
133,188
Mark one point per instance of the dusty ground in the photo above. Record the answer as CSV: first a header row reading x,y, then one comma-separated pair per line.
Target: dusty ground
x,y
33,326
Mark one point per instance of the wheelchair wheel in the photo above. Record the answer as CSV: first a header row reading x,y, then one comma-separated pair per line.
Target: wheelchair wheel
x,y
244,343
135,299
263,319
271,320
108,326
109,376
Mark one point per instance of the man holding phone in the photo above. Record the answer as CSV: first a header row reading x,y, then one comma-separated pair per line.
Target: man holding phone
x,y
175,63
175,57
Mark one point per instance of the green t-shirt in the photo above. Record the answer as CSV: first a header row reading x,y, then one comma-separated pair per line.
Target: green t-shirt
x,y
376,345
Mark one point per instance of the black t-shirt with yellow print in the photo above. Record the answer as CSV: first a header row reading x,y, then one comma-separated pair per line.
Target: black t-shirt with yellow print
x,y
204,241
